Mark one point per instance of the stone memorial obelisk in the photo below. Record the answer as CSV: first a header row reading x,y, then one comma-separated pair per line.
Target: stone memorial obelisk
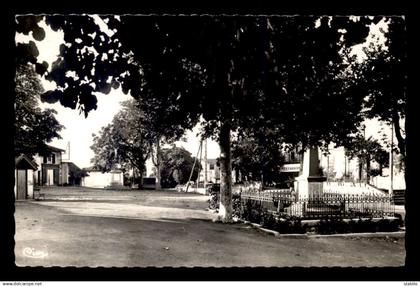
x,y
310,181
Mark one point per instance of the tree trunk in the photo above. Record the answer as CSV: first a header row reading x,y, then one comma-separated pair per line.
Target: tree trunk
x,y
411,239
140,185
398,135
225,208
368,170
133,181
158,166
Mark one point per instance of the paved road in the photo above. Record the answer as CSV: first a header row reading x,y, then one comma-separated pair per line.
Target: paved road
x,y
86,227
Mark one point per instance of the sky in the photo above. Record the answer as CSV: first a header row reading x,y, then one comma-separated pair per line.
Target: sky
x,y
78,129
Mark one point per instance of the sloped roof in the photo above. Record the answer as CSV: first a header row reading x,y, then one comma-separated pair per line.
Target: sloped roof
x,y
55,149
73,168
91,169
24,162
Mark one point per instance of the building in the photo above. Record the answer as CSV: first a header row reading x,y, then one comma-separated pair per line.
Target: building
x,y
54,170
24,183
309,171
50,171
337,166
97,179
75,174
211,172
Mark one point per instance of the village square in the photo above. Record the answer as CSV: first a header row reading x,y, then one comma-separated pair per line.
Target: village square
x,y
210,141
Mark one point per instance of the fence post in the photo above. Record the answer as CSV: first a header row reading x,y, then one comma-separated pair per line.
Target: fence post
x,y
344,204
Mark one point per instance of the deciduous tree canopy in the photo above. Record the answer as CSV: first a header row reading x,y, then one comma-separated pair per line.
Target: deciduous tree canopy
x,y
177,164
124,143
283,73
383,76
34,127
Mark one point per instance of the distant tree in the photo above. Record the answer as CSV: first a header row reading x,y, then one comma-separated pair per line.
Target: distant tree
x,y
160,129
367,150
383,76
257,157
177,164
123,142
34,127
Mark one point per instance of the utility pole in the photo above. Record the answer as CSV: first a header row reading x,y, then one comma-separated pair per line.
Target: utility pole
x,y
195,161
328,164
345,165
200,167
366,157
205,163
391,162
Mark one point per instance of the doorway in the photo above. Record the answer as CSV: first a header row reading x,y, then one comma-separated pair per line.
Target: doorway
x,y
21,187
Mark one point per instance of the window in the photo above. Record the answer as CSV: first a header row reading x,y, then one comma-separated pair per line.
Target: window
x,y
53,158
211,166
45,159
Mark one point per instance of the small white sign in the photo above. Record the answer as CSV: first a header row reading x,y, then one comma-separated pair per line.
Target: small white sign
x,y
288,168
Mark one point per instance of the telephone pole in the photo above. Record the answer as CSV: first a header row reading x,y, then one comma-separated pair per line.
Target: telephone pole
x,y
391,162
195,161
205,163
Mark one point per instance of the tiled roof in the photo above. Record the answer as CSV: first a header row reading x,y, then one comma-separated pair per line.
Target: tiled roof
x,y
55,149
25,162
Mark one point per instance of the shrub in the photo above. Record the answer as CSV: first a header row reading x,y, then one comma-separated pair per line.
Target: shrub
x,y
252,211
268,220
331,226
236,202
388,225
290,225
364,226
214,201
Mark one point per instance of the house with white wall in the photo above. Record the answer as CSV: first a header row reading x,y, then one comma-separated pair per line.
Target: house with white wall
x,y
97,179
211,173
50,171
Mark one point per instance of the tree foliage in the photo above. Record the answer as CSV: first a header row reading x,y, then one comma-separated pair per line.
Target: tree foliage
x,y
124,142
284,73
258,157
367,150
34,127
28,52
384,78
177,166
188,65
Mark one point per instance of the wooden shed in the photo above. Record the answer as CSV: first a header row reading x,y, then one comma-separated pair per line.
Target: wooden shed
x,y
24,181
